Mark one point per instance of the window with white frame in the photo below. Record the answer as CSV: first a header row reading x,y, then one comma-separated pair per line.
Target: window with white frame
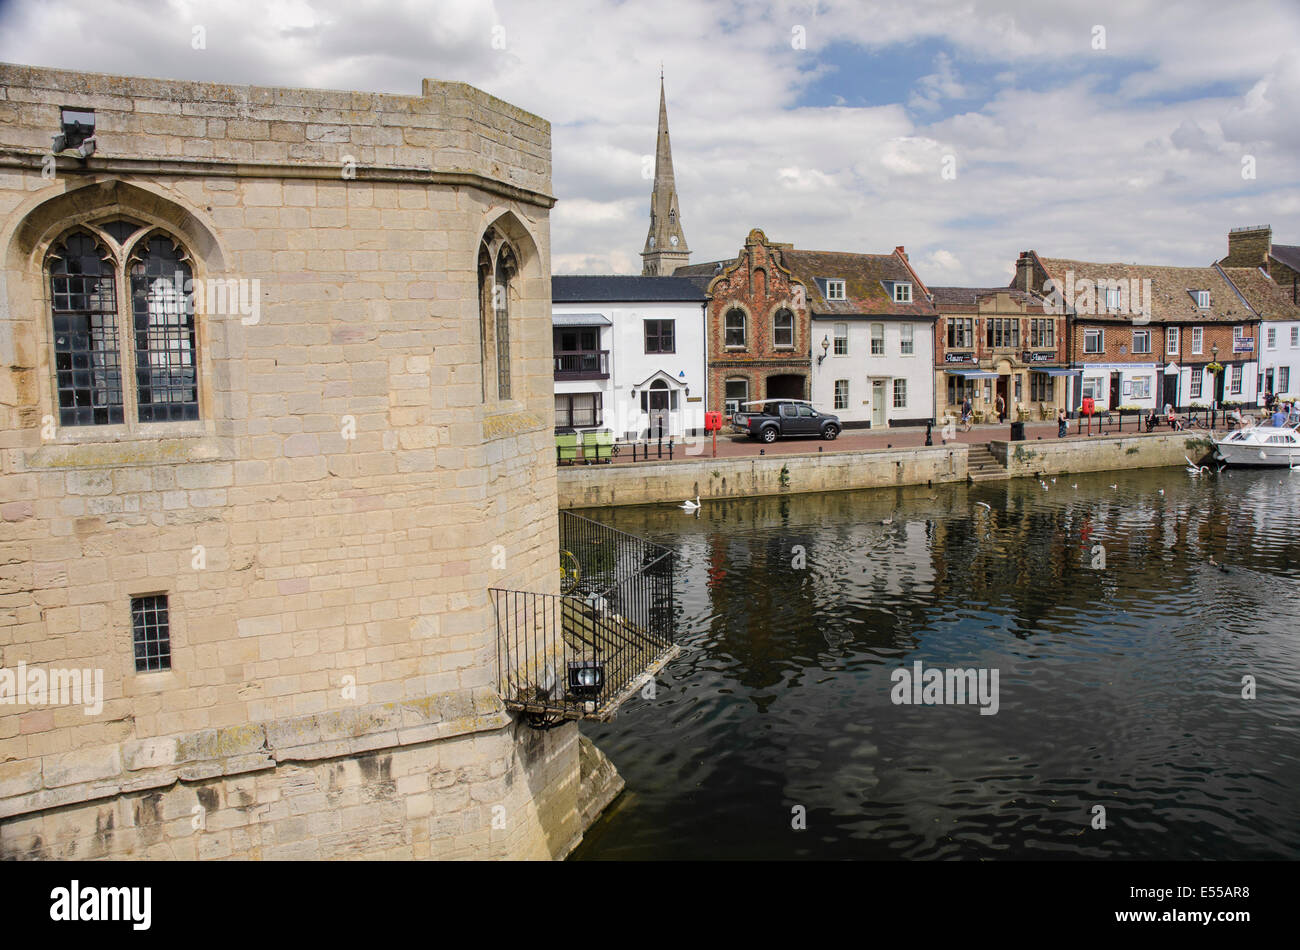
x,y
1284,379
961,333
905,339
734,327
841,339
1092,341
1171,341
1198,339
902,293
1271,336
841,394
1042,333
1235,386
1113,298
1091,385
1141,341
783,328
900,394
877,339
1295,336
1197,377
1141,387
834,290
1238,333
1203,299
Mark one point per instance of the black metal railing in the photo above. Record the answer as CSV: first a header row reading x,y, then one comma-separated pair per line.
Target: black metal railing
x,y
582,364
578,653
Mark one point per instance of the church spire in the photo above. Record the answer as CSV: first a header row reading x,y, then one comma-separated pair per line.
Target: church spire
x,y
665,244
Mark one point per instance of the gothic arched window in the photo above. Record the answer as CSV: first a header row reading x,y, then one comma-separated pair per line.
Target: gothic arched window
x,y
162,308
497,267
87,358
99,350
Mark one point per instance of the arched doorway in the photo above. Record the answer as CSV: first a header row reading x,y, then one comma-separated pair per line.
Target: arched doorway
x,y
660,408
786,386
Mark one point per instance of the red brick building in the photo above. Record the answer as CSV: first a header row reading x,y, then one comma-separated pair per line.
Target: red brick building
x,y
756,326
1146,336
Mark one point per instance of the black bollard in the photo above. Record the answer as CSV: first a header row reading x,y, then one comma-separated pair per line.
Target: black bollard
x,y
929,434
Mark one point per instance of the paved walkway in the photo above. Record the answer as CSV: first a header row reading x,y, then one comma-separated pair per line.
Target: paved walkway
x,y
856,440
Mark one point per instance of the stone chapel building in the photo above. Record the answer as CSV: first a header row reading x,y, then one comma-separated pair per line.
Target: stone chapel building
x,y
275,414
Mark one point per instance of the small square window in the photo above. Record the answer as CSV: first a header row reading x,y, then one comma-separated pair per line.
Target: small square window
x,y
152,633
835,290
902,293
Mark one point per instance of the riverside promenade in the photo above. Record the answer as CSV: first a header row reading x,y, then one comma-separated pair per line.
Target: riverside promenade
x,y
734,445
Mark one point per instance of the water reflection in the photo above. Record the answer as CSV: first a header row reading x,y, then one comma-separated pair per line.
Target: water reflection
x,y
1120,685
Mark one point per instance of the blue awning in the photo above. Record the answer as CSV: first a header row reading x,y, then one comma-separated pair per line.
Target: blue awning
x,y
1056,371
971,373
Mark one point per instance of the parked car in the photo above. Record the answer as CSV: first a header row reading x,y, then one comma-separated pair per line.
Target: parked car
x,y
773,419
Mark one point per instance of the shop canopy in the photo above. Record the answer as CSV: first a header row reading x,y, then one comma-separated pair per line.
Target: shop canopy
x,y
971,373
1056,371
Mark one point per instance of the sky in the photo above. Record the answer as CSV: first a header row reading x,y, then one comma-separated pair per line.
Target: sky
x,y
966,131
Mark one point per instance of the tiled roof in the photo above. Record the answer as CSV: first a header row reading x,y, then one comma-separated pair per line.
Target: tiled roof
x,y
946,298
865,279
1172,291
621,288
1269,300
1288,254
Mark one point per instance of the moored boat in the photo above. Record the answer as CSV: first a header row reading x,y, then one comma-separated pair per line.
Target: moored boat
x,y
1259,445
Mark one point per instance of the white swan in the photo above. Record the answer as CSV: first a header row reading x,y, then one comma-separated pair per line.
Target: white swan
x,y
1193,469
689,505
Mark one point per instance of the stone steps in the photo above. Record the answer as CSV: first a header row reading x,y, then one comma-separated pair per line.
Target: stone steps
x,y
982,465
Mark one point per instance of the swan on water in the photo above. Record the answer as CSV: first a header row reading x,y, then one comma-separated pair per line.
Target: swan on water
x,y
689,505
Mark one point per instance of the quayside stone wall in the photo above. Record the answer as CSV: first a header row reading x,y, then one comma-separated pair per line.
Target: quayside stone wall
x,y
646,483
352,490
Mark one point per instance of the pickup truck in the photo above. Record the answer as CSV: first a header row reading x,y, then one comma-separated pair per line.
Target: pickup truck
x,y
784,418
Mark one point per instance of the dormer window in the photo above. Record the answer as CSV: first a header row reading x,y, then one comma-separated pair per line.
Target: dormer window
x,y
1203,299
902,292
1112,298
835,290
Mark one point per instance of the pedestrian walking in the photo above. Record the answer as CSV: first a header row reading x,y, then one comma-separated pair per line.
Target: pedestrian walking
x,y
1062,423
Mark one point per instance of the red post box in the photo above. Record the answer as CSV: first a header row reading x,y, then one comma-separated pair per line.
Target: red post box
x,y
712,421
1089,407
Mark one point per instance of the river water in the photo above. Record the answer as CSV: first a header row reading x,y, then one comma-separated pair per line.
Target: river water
x,y
1120,684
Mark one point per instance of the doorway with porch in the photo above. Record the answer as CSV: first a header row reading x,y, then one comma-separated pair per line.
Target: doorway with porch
x,y
659,406
1171,390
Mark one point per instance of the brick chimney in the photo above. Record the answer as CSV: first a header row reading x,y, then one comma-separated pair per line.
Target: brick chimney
x,y
1249,247
1024,279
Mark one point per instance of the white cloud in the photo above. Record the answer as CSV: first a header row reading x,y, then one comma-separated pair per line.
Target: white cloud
x,y
1132,153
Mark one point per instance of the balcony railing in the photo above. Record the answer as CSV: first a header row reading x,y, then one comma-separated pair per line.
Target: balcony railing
x,y
584,364
581,653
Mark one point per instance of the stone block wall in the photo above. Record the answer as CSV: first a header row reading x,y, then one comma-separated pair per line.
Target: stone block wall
x,y
327,531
